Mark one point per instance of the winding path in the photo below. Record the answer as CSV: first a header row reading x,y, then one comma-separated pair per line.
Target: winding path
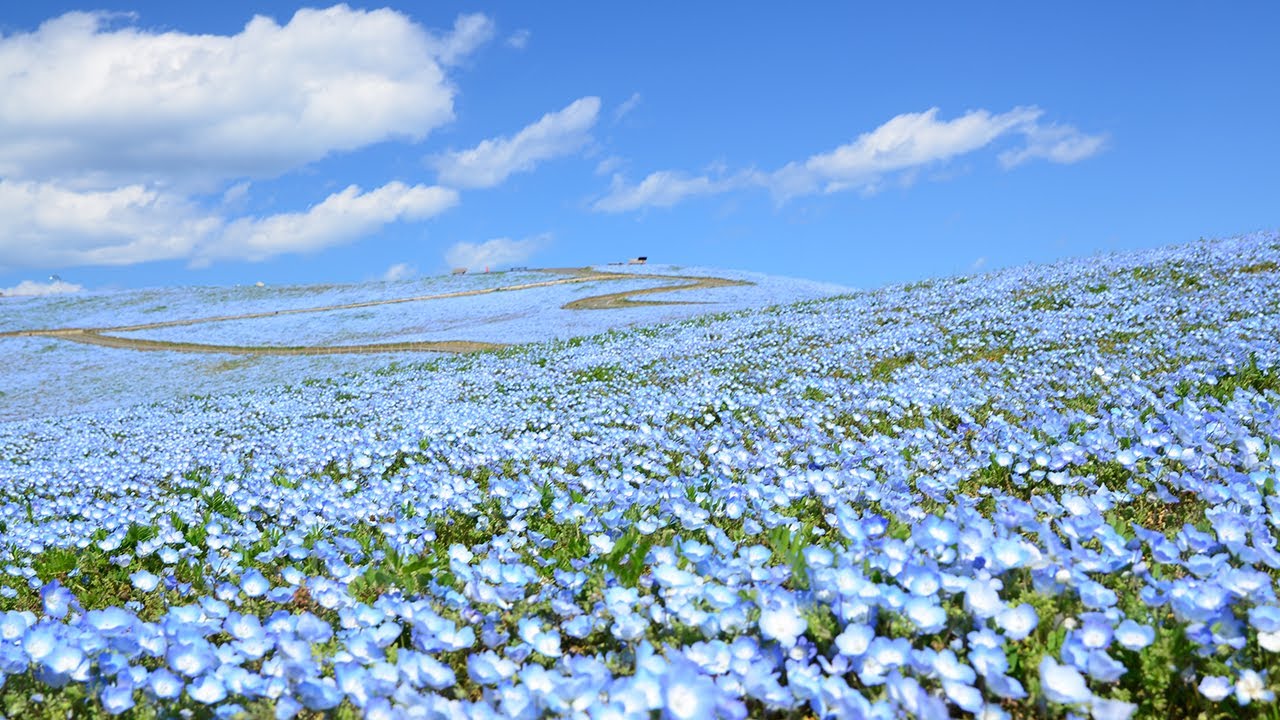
x,y
100,336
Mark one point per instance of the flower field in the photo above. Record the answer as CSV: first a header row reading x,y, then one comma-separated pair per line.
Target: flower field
x,y
1040,492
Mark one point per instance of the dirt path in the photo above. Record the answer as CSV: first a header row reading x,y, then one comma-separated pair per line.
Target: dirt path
x,y
623,299
98,336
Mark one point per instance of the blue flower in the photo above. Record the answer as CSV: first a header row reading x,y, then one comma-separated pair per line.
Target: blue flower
x,y
144,581
780,620
1134,636
319,693
57,600
254,583
207,690
855,640
1062,683
1018,622
116,699
488,668
1251,687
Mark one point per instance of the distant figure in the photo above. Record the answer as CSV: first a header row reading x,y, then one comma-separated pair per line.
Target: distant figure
x,y
459,271
638,261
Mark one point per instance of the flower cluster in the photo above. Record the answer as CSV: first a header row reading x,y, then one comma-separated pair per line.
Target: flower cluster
x,y
1045,489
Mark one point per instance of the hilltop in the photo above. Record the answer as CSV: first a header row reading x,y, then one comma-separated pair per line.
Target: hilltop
x,y
205,340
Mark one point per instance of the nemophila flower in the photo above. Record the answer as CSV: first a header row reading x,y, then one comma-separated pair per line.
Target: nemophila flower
x,y
1106,709
854,640
982,598
144,581
1095,631
687,694
1062,683
1215,687
489,668
63,659
207,690
966,697
1134,636
1018,622
116,699
1251,687
313,629
57,600
780,620
191,659
319,694
254,584
164,684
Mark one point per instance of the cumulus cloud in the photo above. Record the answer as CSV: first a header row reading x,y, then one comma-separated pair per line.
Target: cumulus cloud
x,y
32,287
399,271
46,225
51,225
492,254
898,148
339,219
494,160
111,134
119,105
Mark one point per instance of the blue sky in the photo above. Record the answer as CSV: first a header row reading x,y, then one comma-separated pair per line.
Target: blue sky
x,y
149,144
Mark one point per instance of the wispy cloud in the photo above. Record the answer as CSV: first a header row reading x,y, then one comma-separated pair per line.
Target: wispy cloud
x,y
33,287
899,149
469,33
626,107
492,161
519,39
1055,143
664,189
493,254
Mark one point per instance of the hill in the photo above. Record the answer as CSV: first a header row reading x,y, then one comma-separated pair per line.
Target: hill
x,y
66,351
1039,491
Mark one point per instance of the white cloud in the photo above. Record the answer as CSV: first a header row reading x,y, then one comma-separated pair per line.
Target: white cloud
x,y
32,287
399,271
469,33
519,39
493,254
903,146
46,225
1056,143
50,225
339,219
609,164
662,189
979,263
118,105
494,160
117,142
627,106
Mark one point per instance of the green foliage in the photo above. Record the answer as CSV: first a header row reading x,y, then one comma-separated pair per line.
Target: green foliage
x,y
628,557
884,368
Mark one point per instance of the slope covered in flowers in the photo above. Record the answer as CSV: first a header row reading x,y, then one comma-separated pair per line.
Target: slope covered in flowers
x,y
53,376
1042,491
